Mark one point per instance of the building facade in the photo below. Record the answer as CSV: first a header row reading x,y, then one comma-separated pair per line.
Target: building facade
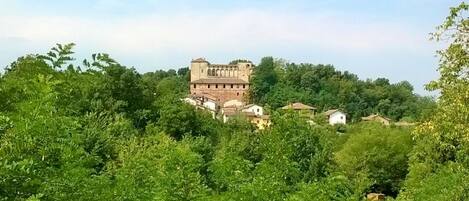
x,y
223,81
256,109
336,117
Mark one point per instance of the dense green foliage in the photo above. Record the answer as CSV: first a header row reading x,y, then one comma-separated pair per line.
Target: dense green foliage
x,y
439,163
102,131
277,83
378,153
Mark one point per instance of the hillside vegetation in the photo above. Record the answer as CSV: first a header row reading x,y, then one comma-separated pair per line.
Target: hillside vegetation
x,y
103,131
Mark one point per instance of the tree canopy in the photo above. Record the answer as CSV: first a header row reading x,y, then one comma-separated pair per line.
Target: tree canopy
x,y
99,130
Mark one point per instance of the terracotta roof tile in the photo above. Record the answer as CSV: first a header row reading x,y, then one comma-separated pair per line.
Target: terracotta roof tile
x,y
329,112
372,116
298,106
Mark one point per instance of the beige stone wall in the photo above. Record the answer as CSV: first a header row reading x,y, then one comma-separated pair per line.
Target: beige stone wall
x,y
223,94
204,70
245,70
199,70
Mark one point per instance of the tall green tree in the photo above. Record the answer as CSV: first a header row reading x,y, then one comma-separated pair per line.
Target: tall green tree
x,y
379,153
440,159
263,79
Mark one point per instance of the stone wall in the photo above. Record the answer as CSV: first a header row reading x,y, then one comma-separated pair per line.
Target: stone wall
x,y
221,82
223,92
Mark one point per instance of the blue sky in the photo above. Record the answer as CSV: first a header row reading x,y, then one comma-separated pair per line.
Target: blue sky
x,y
370,38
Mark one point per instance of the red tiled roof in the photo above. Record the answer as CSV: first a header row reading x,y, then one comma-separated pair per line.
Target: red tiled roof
x,y
372,116
329,112
298,106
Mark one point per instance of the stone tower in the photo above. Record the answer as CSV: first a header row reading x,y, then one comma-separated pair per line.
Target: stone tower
x,y
199,69
245,69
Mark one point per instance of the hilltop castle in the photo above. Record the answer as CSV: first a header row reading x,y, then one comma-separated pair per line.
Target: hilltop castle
x,y
220,82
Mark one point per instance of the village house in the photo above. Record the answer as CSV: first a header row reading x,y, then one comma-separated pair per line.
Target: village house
x,y
302,109
203,103
377,118
256,109
254,113
336,117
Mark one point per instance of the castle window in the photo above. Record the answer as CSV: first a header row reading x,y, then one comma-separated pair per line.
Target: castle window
x,y
194,86
232,86
208,85
224,86
216,86
202,70
237,93
244,86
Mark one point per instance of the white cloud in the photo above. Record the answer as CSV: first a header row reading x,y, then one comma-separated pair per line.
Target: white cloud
x,y
210,31
148,41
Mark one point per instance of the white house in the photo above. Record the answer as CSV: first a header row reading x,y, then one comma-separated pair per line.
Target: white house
x,y
210,104
190,101
202,103
336,117
256,109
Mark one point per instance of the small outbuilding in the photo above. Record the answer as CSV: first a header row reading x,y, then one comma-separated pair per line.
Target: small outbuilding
x,y
298,106
302,109
377,118
336,116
